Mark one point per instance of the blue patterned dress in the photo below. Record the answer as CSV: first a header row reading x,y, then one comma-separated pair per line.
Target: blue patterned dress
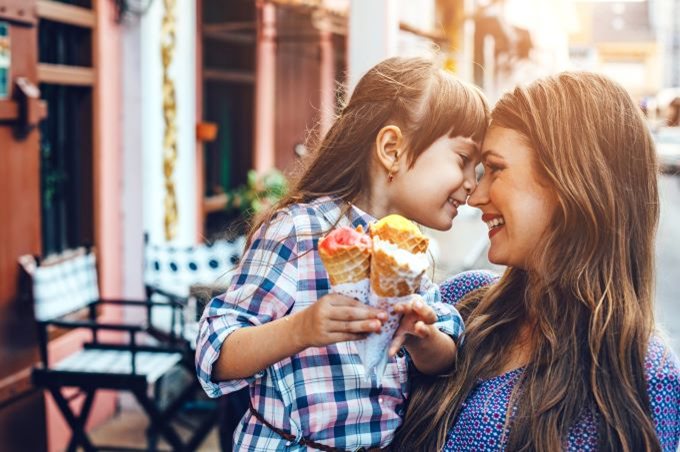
x,y
481,423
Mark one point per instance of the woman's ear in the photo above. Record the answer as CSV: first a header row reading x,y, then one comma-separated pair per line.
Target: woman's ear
x,y
389,147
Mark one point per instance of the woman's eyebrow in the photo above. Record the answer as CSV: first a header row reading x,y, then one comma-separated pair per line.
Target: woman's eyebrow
x,y
491,153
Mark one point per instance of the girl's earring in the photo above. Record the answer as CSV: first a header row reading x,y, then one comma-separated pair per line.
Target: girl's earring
x,y
390,175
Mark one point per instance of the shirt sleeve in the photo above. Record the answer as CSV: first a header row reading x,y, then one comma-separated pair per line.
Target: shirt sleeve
x,y
663,385
449,320
457,287
263,288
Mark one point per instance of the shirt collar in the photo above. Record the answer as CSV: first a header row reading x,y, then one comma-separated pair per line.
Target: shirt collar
x,y
331,208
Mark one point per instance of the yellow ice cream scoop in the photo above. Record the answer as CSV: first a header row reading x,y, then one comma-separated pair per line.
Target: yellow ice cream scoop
x,y
400,231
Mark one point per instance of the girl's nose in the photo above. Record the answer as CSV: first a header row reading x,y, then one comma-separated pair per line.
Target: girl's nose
x,y
469,184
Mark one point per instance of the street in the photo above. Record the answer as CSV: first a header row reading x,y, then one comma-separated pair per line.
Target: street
x,y
464,247
668,260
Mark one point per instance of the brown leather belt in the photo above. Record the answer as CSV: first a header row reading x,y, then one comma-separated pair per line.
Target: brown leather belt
x,y
304,441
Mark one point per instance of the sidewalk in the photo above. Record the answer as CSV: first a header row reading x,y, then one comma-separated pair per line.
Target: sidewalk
x,y
128,429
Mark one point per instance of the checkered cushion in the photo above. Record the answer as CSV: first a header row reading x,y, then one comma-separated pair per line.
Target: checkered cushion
x,y
174,269
67,285
152,365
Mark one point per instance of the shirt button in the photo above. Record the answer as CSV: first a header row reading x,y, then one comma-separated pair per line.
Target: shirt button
x,y
380,400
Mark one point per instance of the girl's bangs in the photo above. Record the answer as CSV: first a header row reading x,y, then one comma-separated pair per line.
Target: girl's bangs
x,y
453,108
470,115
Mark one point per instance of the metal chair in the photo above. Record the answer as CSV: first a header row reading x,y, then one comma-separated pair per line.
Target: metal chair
x,y
196,274
65,295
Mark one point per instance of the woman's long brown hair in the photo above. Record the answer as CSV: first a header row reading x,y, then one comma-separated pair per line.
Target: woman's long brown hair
x,y
591,303
425,101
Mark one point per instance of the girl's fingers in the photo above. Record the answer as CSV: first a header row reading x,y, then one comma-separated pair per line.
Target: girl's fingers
x,y
421,330
355,326
341,300
397,343
403,307
425,312
350,313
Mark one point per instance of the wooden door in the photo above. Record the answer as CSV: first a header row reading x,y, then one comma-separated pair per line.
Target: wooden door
x,y
22,418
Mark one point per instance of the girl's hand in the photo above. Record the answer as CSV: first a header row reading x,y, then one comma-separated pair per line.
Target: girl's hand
x,y
415,325
337,318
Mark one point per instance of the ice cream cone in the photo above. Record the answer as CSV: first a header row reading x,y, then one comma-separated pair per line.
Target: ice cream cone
x,y
398,264
346,254
391,278
400,231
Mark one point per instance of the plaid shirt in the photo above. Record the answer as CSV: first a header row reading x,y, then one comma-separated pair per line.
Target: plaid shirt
x,y
321,393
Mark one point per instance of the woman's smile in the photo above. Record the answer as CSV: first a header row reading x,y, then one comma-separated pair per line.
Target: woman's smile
x,y
494,222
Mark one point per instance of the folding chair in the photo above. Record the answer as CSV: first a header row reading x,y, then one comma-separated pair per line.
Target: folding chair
x,y
196,273
68,285
174,272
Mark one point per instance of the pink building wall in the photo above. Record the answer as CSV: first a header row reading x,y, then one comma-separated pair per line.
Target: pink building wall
x,y
108,231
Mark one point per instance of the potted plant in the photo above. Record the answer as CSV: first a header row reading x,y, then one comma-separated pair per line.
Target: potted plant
x,y
245,202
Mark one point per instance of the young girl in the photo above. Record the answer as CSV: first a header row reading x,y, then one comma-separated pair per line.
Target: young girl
x,y
406,143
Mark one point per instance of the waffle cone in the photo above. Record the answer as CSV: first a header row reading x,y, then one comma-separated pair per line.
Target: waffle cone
x,y
347,265
404,239
389,279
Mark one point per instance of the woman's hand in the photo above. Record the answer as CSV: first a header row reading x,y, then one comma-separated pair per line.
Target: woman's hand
x,y
337,318
416,324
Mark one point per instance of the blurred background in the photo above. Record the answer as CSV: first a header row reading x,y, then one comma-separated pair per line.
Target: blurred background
x,y
131,124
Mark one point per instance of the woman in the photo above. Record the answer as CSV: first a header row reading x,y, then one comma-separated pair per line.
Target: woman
x,y
561,352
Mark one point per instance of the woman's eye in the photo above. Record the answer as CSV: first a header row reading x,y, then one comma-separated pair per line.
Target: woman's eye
x,y
465,159
491,168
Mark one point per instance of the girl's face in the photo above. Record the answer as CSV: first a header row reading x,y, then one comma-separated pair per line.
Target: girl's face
x,y
516,205
438,183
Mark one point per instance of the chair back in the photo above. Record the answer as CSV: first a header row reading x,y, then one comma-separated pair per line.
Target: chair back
x,y
175,269
62,284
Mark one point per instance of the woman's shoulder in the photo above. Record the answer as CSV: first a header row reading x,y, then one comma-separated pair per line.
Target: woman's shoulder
x,y
457,287
662,370
662,367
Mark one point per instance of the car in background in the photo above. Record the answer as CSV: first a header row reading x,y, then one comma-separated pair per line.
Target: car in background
x,y
667,141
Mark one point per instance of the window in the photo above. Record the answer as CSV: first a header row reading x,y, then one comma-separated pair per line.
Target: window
x,y
228,31
66,76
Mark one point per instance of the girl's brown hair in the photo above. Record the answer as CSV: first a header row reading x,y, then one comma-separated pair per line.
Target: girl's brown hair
x,y
425,101
591,305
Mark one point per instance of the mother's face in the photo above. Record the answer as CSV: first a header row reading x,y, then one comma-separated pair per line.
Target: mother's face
x,y
516,204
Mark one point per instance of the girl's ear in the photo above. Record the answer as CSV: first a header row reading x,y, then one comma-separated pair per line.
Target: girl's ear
x,y
389,147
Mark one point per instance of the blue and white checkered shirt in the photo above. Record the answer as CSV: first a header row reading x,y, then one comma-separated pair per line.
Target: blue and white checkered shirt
x,y
321,393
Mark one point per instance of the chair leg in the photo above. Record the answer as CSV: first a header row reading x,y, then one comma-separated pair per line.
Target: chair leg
x,y
77,424
151,438
159,422
152,431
